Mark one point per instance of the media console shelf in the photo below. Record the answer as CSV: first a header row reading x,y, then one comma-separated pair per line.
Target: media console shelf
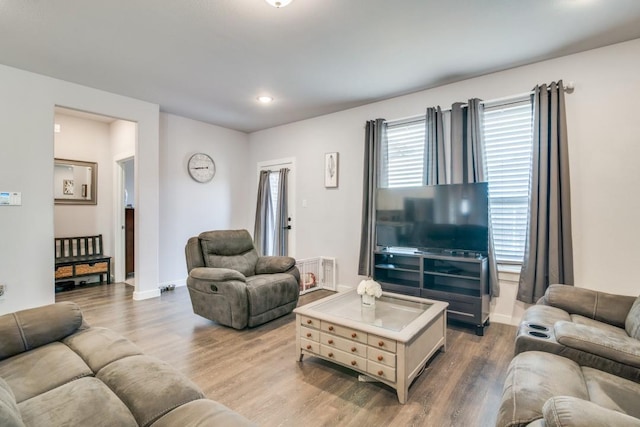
x,y
461,280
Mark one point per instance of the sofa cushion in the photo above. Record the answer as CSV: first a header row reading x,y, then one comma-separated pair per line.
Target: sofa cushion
x,y
25,330
149,387
42,369
100,346
202,413
9,412
632,323
597,305
229,249
616,347
608,328
83,402
612,392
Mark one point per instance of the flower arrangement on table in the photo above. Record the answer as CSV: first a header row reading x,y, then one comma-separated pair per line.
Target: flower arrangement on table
x,y
370,290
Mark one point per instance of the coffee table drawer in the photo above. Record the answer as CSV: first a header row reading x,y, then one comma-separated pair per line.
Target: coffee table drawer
x,y
382,343
310,322
345,358
310,334
312,346
381,371
343,344
343,331
382,357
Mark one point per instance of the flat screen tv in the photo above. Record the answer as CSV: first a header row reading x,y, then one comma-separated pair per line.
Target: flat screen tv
x,y
452,217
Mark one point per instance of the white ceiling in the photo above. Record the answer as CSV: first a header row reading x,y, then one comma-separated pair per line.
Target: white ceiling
x,y
210,59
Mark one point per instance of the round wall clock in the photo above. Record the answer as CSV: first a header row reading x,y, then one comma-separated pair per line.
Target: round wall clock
x,y
201,167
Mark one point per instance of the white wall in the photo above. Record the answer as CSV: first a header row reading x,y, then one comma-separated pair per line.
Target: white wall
x,y
26,119
89,141
604,151
187,207
604,148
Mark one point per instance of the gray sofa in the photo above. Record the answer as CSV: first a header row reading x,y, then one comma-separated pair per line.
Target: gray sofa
x,y
55,370
594,329
544,390
231,284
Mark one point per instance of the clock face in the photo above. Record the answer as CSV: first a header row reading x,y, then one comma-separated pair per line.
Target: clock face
x,y
201,167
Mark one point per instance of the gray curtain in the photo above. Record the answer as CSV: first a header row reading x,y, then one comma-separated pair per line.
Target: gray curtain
x,y
468,163
280,241
434,171
458,137
467,156
264,219
548,254
374,135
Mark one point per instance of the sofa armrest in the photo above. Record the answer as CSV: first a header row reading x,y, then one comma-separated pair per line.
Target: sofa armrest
x,y
218,280
566,411
27,329
608,308
274,264
217,274
617,347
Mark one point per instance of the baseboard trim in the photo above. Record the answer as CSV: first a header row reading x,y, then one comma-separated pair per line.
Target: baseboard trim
x,y
139,296
344,288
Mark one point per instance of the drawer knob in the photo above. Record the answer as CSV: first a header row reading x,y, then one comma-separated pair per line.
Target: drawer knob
x,y
308,334
380,358
309,322
330,354
308,346
353,335
354,363
353,349
330,341
380,373
331,328
380,343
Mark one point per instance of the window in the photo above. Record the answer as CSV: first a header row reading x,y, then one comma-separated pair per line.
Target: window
x,y
508,139
402,157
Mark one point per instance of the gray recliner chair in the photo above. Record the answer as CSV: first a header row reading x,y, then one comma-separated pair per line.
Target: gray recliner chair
x,y
230,284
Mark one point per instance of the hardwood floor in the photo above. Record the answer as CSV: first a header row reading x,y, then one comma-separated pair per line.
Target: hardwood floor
x,y
248,371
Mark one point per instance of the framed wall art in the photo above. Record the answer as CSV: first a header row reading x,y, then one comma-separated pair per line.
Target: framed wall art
x,y
331,170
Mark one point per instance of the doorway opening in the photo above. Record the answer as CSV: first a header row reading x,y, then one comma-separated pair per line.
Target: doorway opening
x,y
103,141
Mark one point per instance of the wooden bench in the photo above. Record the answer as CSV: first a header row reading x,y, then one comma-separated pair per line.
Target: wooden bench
x,y
81,256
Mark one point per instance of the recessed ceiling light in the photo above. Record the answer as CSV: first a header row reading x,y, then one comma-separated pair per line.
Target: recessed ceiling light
x,y
279,3
265,99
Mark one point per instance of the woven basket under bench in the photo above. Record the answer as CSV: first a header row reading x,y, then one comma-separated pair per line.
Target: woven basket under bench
x,y
81,256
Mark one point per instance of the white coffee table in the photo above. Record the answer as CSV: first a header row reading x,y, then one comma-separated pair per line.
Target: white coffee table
x,y
389,343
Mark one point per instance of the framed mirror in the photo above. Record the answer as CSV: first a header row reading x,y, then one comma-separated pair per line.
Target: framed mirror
x,y
75,182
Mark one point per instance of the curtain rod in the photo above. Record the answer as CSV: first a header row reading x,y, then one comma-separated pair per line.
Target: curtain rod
x,y
568,88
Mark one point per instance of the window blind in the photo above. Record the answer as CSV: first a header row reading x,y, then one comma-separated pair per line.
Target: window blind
x,y
508,139
404,154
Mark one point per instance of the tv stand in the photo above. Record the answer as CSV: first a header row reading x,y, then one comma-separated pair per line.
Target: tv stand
x,y
460,278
